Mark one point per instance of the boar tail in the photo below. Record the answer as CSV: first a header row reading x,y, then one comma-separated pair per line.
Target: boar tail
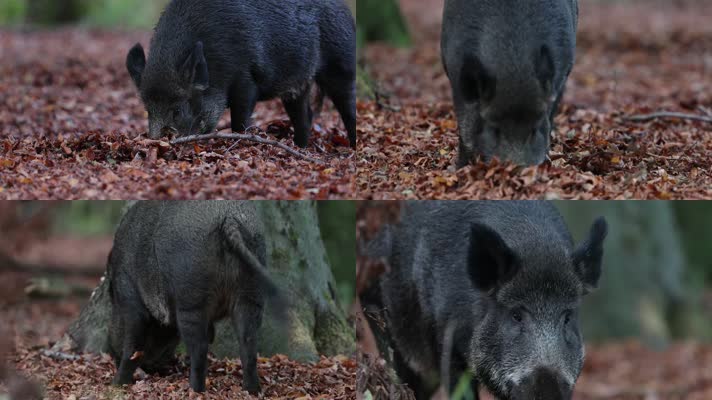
x,y
275,298
230,230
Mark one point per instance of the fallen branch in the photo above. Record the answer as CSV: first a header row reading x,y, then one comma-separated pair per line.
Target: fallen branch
x,y
244,136
666,114
55,288
10,264
61,356
670,158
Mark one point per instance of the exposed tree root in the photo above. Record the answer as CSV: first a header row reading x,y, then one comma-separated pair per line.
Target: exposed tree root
x,y
668,115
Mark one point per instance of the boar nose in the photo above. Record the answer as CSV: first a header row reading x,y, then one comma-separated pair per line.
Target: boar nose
x,y
156,132
543,384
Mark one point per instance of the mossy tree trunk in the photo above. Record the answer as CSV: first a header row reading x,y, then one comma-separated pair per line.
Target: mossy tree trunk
x,y
299,264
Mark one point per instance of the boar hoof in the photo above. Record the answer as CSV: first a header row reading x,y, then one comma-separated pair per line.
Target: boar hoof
x,y
252,387
118,381
198,387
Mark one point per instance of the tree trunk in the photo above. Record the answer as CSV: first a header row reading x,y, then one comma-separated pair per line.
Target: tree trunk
x,y
299,265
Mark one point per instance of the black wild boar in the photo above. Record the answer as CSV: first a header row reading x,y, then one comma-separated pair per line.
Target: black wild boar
x,y
176,268
209,54
508,62
492,288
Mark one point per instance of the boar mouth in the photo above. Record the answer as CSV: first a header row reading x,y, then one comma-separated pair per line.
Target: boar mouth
x,y
201,129
542,383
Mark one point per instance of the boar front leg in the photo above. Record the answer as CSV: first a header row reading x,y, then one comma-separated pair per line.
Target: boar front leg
x,y
410,377
246,320
242,100
193,327
467,121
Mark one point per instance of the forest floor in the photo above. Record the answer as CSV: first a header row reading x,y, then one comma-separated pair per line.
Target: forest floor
x,y
32,323
632,58
72,126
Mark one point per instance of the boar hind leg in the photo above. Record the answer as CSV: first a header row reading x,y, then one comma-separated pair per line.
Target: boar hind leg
x,y
299,112
193,327
133,342
342,93
242,101
246,320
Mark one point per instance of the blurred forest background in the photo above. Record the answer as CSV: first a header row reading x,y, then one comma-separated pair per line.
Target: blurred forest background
x,y
382,20
657,280
121,13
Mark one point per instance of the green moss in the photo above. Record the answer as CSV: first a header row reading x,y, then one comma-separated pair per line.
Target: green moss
x,y
301,344
280,258
12,11
333,335
293,236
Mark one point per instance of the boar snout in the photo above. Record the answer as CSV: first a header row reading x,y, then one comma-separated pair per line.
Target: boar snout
x,y
156,132
543,384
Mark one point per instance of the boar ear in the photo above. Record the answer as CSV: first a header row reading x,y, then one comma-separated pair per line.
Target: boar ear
x,y
545,68
477,83
136,63
491,262
588,255
194,71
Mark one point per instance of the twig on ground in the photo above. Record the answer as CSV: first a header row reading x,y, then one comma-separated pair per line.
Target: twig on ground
x,y
705,110
671,158
667,114
244,136
8,263
58,355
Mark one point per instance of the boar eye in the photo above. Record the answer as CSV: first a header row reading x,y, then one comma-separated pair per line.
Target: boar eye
x,y
567,317
517,315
